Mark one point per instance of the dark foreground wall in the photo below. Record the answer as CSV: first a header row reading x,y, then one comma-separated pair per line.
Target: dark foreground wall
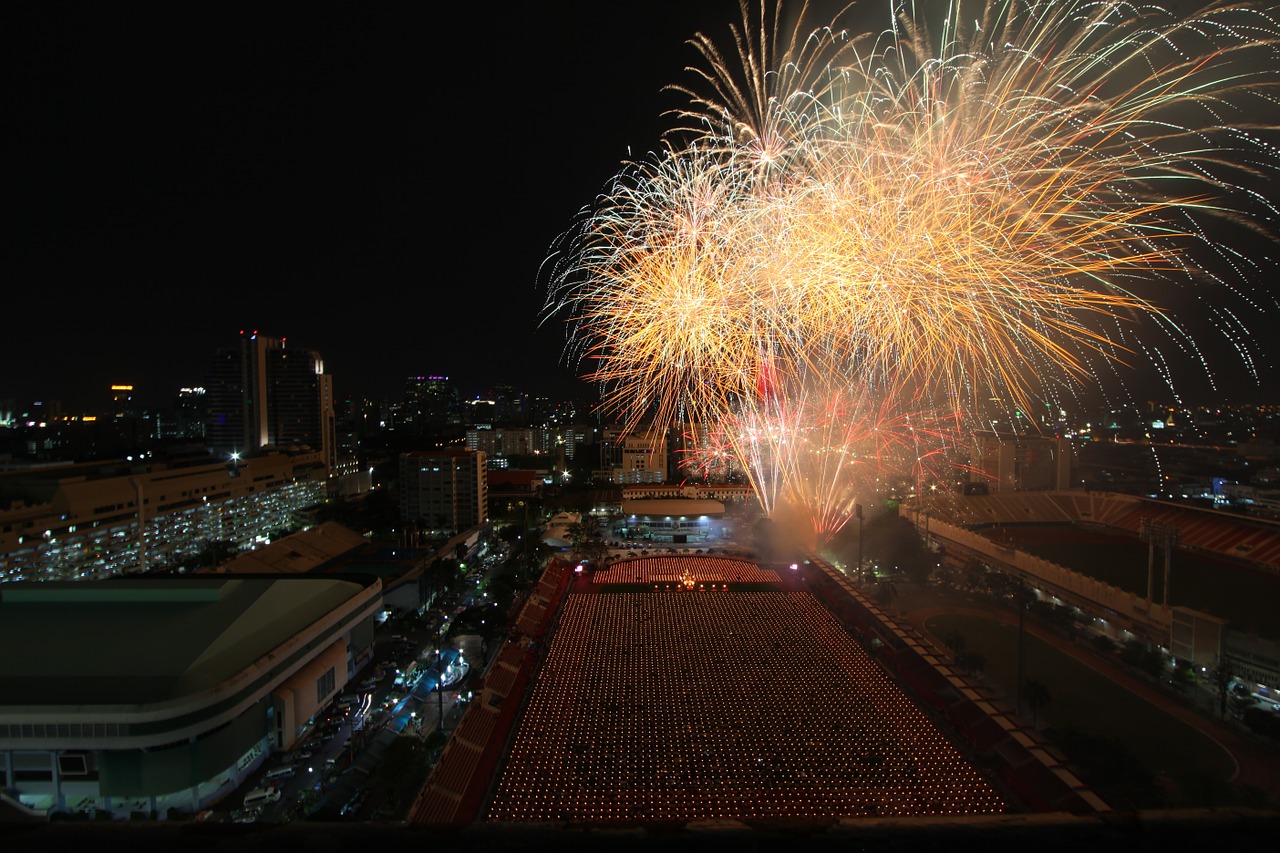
x,y
1198,830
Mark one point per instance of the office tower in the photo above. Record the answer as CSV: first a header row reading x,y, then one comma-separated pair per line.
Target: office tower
x,y
431,404
264,394
511,406
121,400
186,418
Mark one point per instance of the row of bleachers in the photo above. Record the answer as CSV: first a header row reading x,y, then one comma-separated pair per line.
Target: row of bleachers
x,y
1254,540
1031,508
1098,507
746,705
676,569
1206,530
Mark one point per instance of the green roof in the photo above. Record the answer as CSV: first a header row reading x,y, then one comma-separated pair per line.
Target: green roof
x,y
132,641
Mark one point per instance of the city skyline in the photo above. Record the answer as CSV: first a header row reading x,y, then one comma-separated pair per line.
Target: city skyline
x,y
329,178
333,180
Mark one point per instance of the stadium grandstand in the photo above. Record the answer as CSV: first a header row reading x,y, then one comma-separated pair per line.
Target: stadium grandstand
x,y
1223,590
1224,534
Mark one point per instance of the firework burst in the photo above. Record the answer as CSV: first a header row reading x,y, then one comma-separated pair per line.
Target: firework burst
x,y
999,204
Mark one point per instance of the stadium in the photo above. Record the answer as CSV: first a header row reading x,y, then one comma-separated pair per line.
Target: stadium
x,y
680,690
1200,583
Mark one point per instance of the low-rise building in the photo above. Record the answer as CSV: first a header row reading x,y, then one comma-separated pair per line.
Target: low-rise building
x,y
94,520
157,693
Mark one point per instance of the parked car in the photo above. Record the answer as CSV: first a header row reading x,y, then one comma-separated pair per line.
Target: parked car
x,y
246,815
261,797
281,773
353,805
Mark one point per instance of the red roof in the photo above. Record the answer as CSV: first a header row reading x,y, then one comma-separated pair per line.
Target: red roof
x,y
513,477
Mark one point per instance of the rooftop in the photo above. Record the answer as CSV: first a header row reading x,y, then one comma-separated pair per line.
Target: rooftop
x,y
142,640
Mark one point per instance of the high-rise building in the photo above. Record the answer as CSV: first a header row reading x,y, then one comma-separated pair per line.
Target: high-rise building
x,y
431,404
121,400
502,441
1020,463
263,394
630,458
186,418
511,405
444,490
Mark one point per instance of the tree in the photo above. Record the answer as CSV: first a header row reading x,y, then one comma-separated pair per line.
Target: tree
x,y
1223,675
588,539
975,575
954,640
403,766
510,534
1036,695
215,552
444,576
1184,675
435,741
1153,662
1133,652
973,663
527,556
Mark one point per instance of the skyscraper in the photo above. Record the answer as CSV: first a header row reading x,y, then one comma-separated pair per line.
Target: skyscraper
x,y
431,404
263,394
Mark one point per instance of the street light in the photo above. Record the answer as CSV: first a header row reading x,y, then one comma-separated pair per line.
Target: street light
x,y
440,676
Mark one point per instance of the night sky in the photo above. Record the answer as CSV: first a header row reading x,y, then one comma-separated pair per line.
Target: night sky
x,y
377,184
380,184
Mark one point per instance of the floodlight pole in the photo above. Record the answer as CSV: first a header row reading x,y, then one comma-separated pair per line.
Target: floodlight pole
x,y
1022,611
857,509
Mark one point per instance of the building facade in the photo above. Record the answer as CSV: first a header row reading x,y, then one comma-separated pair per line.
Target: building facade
x,y
155,719
1020,463
445,490
94,520
263,394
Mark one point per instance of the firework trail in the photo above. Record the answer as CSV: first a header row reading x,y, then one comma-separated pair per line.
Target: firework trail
x,y
817,450
998,204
